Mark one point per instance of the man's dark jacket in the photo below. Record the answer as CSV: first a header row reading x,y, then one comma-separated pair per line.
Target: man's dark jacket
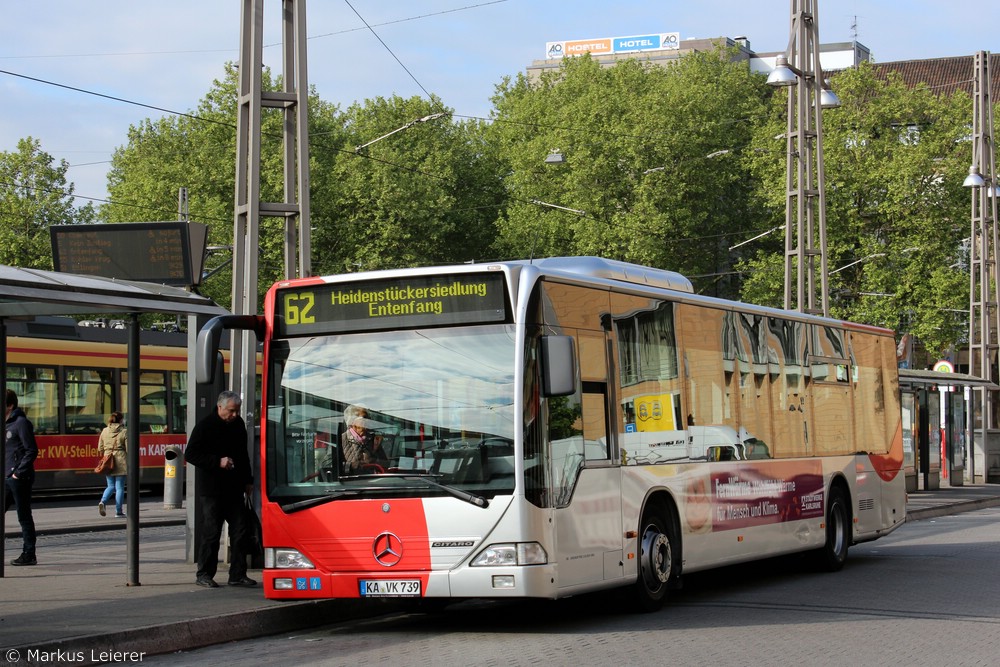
x,y
21,449
211,439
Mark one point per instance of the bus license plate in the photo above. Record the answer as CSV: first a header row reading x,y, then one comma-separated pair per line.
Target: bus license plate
x,y
390,588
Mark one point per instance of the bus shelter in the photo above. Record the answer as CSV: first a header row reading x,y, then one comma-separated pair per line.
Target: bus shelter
x,y
26,293
938,448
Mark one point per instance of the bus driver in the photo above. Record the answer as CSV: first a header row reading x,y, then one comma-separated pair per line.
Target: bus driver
x,y
362,448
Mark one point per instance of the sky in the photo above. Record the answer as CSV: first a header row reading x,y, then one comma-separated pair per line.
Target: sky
x,y
167,54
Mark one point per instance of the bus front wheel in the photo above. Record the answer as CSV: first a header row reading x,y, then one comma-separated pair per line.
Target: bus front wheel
x,y
657,545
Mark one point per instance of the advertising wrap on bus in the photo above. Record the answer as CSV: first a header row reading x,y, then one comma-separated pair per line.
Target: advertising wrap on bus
x,y
757,494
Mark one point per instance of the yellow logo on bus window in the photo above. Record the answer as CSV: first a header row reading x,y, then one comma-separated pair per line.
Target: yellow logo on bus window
x,y
655,412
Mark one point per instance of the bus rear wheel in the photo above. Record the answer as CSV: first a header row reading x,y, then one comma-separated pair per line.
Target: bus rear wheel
x,y
657,545
832,555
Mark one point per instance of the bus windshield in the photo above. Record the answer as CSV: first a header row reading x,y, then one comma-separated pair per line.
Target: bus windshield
x,y
375,414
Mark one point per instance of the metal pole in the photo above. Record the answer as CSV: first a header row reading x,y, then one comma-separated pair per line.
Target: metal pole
x,y
806,286
132,454
984,279
296,139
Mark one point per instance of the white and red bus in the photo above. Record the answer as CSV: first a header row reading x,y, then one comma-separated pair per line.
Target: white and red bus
x,y
559,426
69,378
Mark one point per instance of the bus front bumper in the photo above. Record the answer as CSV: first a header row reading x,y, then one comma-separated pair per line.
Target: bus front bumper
x,y
534,581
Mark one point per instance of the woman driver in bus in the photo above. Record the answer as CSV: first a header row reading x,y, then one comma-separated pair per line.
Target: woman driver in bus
x,y
362,448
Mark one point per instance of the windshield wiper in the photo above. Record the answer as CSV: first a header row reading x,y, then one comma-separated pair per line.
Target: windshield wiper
x,y
321,500
470,498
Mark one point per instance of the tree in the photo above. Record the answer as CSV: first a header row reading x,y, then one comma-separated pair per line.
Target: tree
x,y
653,162
421,195
197,151
34,195
895,158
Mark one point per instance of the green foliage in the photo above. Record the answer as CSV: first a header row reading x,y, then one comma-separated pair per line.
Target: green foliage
x,y
421,193
197,151
897,214
34,195
652,159
676,167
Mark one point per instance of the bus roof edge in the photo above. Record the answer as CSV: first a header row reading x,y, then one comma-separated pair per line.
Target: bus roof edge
x,y
611,269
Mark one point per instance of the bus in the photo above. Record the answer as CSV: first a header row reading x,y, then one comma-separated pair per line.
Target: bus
x,y
559,426
70,376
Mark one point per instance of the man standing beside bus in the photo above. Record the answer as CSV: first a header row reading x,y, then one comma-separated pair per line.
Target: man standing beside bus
x,y
218,448
19,474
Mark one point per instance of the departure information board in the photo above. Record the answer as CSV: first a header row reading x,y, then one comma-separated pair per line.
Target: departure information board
x,y
170,253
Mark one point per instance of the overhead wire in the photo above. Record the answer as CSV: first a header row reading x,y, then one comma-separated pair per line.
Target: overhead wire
x,y
411,18
196,117
109,97
386,46
370,28
187,51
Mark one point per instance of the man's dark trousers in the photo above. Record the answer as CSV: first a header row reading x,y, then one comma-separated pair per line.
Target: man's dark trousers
x,y
215,510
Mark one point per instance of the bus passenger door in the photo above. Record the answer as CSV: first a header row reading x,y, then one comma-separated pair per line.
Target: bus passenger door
x,y
587,479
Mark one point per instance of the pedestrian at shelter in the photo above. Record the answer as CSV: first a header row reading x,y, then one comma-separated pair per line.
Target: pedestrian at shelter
x,y
217,447
114,441
19,474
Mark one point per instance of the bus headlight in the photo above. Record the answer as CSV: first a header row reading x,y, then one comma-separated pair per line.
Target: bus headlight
x,y
285,559
520,553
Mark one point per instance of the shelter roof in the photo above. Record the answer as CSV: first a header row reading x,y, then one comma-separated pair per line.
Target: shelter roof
x,y
27,292
912,377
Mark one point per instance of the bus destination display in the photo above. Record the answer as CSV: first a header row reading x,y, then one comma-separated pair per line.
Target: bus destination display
x,y
411,302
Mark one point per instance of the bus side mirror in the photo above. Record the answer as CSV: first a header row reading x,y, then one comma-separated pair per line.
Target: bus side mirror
x,y
558,359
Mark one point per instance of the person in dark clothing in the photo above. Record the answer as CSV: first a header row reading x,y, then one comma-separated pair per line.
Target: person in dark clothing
x,y
217,447
19,474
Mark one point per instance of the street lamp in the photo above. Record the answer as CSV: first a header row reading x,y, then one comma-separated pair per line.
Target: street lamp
x,y
784,75
827,98
806,276
555,156
974,179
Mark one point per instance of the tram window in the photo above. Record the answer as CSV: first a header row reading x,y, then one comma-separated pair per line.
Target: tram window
x,y
37,391
178,402
89,397
152,401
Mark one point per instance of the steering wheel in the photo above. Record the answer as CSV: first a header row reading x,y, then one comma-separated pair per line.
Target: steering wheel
x,y
372,467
